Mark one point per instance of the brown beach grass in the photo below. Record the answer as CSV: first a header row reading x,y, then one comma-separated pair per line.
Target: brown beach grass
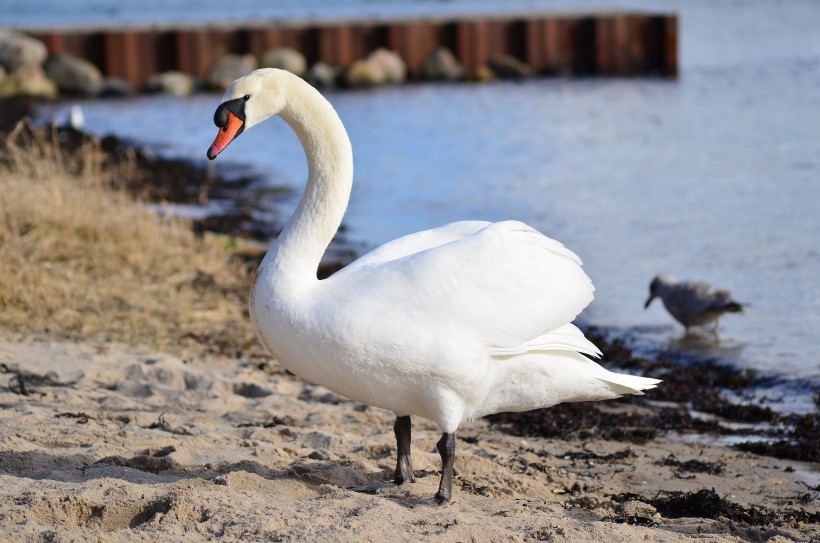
x,y
81,259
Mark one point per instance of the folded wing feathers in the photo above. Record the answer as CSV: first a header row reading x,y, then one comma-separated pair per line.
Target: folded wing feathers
x,y
565,338
505,281
540,281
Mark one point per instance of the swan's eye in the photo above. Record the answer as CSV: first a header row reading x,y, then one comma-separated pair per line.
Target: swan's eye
x,y
246,97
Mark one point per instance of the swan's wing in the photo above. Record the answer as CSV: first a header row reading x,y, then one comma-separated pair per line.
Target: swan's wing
x,y
416,242
564,338
506,284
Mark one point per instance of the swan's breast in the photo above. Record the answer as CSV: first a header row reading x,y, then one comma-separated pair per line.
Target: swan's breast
x,y
366,351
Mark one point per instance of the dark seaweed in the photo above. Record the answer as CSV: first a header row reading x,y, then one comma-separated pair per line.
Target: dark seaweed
x,y
692,466
709,504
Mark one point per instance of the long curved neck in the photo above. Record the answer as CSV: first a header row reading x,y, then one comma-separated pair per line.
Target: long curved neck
x,y
299,249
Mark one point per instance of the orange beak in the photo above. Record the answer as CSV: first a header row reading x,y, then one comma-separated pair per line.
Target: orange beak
x,y
226,135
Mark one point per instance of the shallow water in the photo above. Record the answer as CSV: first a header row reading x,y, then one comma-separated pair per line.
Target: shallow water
x,y
713,176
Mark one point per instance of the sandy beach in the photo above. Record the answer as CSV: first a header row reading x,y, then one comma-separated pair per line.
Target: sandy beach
x,y
106,442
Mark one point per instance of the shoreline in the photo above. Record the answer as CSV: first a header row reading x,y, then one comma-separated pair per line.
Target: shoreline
x,y
594,468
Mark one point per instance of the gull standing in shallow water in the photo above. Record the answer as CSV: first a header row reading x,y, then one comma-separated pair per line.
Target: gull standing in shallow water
x,y
692,303
449,324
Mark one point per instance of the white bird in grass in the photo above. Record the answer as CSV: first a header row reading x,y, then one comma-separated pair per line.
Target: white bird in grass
x,y
692,303
448,324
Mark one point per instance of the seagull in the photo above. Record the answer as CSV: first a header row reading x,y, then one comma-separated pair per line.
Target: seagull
x,y
692,303
76,119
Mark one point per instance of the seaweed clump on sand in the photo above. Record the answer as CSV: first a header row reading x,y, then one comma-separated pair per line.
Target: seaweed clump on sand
x,y
587,421
691,466
802,441
708,504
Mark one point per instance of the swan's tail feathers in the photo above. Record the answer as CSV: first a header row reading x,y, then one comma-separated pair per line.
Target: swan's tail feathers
x,y
623,384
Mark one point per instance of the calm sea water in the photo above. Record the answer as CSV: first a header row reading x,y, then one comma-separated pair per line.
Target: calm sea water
x,y
713,176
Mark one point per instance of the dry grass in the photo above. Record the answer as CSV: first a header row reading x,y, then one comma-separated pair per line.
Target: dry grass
x,y
82,260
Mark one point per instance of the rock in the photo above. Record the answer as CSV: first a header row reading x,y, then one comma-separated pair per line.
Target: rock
x,y
634,509
483,73
18,50
116,86
322,74
381,66
228,68
172,82
364,74
29,81
285,58
508,67
440,65
390,63
74,75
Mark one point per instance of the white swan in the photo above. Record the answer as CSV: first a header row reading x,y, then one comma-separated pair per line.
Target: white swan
x,y
449,324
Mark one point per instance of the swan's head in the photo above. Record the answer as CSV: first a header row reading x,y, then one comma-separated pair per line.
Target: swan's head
x,y
657,284
248,101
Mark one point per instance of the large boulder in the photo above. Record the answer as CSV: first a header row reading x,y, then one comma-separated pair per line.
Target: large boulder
x,y
18,50
285,58
381,66
322,74
29,81
172,82
116,86
441,64
228,68
390,63
74,75
364,74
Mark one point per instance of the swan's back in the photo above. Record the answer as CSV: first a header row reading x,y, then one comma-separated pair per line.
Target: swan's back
x,y
417,242
503,283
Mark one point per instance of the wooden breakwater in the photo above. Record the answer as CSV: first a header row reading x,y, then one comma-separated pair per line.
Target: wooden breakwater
x,y
604,44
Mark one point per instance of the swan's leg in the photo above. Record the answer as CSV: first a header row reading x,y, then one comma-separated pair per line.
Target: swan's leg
x,y
404,468
447,449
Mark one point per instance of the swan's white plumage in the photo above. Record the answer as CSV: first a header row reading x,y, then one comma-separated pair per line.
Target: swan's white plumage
x,y
449,324
461,283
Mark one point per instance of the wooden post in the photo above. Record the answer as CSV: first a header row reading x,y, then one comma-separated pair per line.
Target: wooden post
x,y
336,45
670,49
194,54
125,58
